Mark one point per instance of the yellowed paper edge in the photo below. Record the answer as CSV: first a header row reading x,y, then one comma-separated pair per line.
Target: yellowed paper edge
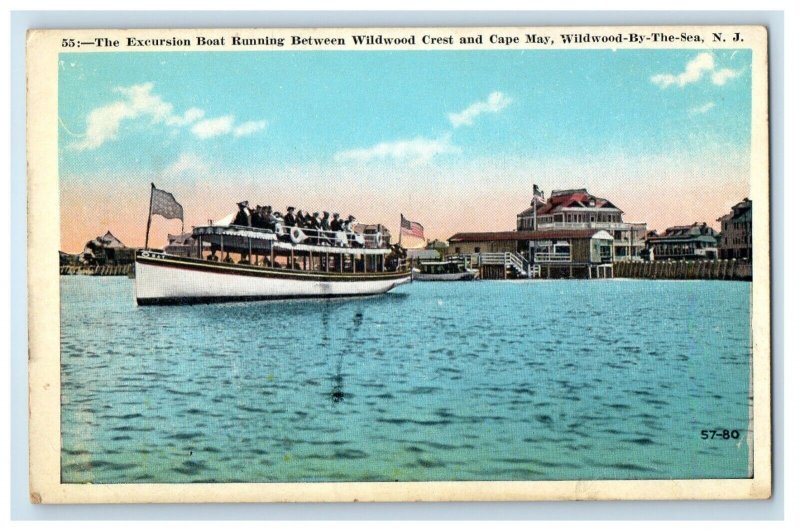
x,y
43,47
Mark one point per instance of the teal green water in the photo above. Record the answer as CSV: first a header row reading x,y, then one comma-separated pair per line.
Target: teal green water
x,y
486,380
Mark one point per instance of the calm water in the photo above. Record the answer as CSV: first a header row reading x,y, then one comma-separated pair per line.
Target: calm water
x,y
485,380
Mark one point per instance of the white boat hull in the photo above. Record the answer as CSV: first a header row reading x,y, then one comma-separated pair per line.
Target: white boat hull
x,y
162,279
465,275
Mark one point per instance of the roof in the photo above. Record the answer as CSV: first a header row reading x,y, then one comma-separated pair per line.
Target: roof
x,y
683,238
745,215
577,198
741,211
689,231
524,235
109,240
697,232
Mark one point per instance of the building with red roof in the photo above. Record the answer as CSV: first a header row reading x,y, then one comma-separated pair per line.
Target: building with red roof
x,y
577,209
571,233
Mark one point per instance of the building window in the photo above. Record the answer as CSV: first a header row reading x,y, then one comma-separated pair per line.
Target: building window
x,y
477,249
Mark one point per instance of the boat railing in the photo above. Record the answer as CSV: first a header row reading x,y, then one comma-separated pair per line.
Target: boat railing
x,y
311,236
330,238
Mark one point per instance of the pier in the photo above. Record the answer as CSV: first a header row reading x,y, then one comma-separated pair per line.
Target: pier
x,y
98,271
686,269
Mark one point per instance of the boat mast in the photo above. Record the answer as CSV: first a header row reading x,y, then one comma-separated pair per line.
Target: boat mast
x,y
149,216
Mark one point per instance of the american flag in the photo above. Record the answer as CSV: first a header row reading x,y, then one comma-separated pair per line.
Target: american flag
x,y
164,204
411,228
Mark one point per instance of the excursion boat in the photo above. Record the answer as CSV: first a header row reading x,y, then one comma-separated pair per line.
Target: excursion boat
x,y
284,263
444,271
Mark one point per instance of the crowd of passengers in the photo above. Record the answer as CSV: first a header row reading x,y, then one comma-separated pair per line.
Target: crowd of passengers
x,y
263,217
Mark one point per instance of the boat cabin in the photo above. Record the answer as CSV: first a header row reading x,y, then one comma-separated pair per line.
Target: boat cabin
x,y
441,268
296,248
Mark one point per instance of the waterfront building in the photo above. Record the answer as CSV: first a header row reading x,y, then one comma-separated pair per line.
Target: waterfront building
x,y
697,241
437,245
66,259
735,238
182,245
417,255
107,250
552,253
577,209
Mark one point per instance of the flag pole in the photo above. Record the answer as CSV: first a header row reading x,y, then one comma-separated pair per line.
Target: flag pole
x,y
149,216
400,238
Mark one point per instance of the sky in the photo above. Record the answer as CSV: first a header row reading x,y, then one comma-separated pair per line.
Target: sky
x,y
451,139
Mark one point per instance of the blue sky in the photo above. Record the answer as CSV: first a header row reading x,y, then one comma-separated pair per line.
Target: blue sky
x,y
129,118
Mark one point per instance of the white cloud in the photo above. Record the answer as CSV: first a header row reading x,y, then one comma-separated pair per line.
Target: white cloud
x,y
212,127
720,77
418,150
248,128
496,102
187,162
103,123
138,101
190,116
702,109
421,150
695,70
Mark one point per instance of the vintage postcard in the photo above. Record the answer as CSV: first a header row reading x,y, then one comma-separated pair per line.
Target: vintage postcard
x,y
398,264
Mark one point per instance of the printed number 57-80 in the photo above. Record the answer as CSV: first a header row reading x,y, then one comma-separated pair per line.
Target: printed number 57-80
x,y
719,434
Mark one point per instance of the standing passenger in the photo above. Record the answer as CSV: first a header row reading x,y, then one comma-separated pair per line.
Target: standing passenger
x,y
289,220
243,216
336,224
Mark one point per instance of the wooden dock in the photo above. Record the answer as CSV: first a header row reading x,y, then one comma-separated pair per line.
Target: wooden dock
x,y
686,269
98,271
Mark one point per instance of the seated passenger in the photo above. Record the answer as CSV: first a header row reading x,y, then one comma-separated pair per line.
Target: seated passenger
x,y
228,259
356,239
213,256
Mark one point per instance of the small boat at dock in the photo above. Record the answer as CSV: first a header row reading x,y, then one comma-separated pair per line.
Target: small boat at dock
x,y
443,271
